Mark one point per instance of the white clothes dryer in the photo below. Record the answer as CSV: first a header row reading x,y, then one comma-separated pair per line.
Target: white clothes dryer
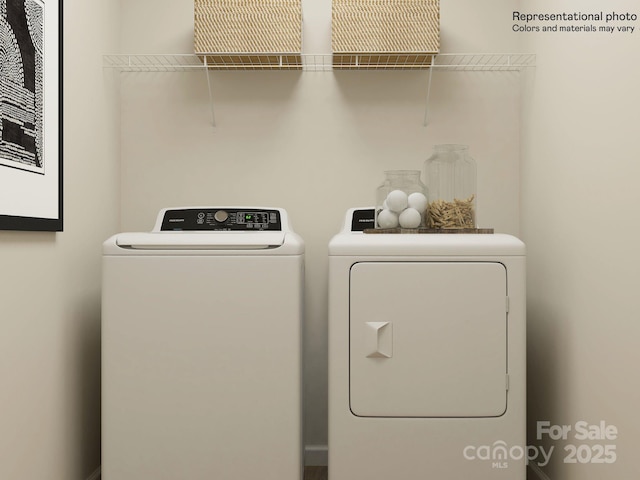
x,y
427,355
201,347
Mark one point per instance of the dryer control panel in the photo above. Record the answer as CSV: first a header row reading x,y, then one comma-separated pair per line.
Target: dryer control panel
x,y
362,219
221,219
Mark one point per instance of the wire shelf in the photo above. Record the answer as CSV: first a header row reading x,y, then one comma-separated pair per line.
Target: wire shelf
x,y
484,62
320,62
152,63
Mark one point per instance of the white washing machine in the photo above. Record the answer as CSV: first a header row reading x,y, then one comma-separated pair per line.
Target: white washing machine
x,y
201,348
426,355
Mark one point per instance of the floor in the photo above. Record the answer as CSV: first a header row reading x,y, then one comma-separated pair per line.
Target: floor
x,y
320,473
315,473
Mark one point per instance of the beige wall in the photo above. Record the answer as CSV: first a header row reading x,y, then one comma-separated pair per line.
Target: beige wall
x,y
580,222
50,283
316,144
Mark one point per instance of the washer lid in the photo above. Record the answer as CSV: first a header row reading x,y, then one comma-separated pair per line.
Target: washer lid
x,y
200,241
212,231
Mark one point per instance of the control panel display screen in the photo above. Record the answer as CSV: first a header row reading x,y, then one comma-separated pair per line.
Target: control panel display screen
x,y
261,218
221,219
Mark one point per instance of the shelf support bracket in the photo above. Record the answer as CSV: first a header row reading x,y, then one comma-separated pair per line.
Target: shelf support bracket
x,y
426,108
207,73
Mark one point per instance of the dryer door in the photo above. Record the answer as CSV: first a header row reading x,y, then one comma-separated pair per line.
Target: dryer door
x,y
428,339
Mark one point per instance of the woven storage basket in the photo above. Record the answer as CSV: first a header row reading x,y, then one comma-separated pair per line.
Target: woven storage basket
x,y
248,33
385,32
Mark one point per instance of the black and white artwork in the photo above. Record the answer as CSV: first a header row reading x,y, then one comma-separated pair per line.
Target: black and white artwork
x,y
21,89
30,115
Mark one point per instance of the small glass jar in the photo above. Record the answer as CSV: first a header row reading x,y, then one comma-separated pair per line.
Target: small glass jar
x,y
450,176
401,201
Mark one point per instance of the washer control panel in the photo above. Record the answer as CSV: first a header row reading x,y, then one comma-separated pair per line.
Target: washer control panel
x,y
221,219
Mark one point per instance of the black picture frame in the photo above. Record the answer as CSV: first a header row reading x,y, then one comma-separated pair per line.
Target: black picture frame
x,y
31,119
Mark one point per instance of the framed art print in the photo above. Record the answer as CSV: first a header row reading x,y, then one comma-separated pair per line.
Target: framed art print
x,y
31,115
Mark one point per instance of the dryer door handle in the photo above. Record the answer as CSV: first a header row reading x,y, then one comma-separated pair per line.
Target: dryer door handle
x,y
378,339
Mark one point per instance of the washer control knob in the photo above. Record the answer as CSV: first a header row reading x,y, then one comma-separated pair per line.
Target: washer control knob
x,y
221,216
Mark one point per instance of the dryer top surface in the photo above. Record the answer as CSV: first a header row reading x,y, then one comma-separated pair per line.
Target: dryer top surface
x,y
357,243
352,241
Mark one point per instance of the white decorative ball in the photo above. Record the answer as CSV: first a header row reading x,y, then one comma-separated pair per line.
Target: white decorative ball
x,y
387,219
397,200
410,218
418,201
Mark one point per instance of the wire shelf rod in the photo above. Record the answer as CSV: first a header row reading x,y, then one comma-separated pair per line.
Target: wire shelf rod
x,y
321,62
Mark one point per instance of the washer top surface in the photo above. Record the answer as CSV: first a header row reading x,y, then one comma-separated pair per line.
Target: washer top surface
x,y
352,241
212,230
